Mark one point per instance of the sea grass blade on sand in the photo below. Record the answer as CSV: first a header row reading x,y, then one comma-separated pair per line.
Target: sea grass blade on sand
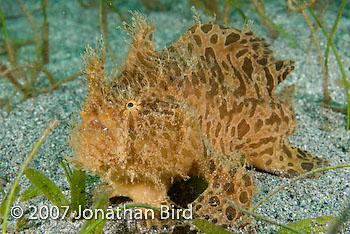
x,y
302,176
208,227
278,28
312,225
22,170
49,189
340,66
265,219
77,190
30,193
330,39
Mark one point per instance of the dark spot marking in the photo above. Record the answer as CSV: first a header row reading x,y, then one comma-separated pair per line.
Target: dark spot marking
x,y
240,146
194,28
198,207
247,180
223,109
224,65
233,131
274,118
281,158
243,197
279,65
292,172
307,166
214,38
212,166
214,90
254,39
268,162
261,142
190,48
241,52
218,128
214,220
214,201
197,40
256,46
206,28
230,213
207,110
229,188
254,103
216,70
262,61
267,151
285,74
243,128
241,90
290,164
232,38
208,128
270,80
247,67
287,151
302,153
209,54
279,78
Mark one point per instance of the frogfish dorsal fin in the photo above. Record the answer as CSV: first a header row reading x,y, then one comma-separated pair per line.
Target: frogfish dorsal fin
x,y
142,45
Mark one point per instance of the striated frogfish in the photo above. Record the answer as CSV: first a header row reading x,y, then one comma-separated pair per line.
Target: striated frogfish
x,y
204,106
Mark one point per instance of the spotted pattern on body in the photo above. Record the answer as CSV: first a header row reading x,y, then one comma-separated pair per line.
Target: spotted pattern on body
x,y
205,106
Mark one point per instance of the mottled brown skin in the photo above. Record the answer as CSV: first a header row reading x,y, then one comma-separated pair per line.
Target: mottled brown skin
x,y
205,106
233,93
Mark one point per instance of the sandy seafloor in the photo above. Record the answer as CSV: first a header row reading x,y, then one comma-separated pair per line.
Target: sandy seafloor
x,y
320,131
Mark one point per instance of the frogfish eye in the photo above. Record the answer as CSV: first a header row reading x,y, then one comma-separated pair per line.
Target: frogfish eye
x,y
130,105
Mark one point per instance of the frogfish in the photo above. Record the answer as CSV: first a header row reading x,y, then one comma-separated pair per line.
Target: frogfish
x,y
204,106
